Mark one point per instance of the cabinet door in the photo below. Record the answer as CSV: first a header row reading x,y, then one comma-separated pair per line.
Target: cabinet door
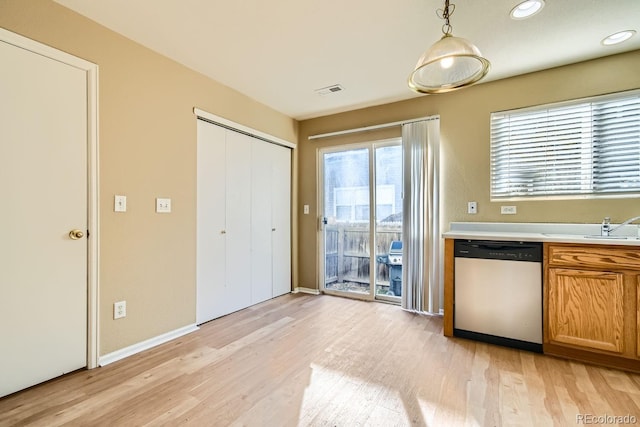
x,y
637,316
586,309
238,221
211,222
281,219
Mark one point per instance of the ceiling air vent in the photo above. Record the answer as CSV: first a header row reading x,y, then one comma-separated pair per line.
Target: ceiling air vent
x,y
329,90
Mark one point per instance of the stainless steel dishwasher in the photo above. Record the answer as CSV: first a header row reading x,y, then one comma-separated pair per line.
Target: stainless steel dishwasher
x,y
498,292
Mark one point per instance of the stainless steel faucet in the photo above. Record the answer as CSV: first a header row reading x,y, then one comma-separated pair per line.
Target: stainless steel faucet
x,y
606,229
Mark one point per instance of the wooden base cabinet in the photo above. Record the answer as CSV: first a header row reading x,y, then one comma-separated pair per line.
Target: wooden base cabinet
x,y
592,303
638,316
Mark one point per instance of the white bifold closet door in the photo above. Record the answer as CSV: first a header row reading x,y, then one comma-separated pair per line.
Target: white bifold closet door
x,y
244,193
270,221
211,222
281,220
238,217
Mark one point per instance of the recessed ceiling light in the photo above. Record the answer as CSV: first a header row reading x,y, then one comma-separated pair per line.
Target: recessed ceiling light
x,y
527,9
618,37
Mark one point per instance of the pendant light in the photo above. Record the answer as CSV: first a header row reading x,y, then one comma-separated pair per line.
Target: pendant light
x,y
451,63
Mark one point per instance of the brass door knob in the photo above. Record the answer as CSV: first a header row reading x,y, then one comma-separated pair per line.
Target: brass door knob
x,y
76,234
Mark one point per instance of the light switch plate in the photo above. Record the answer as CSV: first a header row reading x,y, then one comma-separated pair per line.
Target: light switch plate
x,y
119,203
163,205
305,209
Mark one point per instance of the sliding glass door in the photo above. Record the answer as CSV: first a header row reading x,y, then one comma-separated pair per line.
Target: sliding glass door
x,y
362,246
388,221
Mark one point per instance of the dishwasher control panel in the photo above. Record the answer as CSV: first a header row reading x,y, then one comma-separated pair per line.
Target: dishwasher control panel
x,y
513,251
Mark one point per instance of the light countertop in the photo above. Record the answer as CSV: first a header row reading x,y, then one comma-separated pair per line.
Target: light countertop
x,y
542,232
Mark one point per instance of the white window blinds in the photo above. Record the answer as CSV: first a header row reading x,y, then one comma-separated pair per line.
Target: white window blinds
x,y
583,147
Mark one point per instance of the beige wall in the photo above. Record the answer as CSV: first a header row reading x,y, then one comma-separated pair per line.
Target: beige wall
x,y
464,124
147,149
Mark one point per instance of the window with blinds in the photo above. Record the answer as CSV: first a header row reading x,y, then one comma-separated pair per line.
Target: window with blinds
x,y
586,147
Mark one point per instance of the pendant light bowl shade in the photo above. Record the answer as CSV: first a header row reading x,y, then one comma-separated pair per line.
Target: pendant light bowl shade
x,y
451,63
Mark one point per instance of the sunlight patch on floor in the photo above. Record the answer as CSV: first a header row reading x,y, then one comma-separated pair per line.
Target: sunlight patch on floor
x,y
334,398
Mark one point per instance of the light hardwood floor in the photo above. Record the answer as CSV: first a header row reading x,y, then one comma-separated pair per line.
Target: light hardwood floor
x,y
301,360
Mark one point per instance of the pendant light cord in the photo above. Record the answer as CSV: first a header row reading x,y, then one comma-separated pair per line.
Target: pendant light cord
x,y
445,14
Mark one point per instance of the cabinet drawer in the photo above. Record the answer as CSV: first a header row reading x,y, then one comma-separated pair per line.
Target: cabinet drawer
x,y
594,257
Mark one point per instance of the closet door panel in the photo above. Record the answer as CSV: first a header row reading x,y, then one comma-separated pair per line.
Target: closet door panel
x,y
281,219
238,219
211,219
261,190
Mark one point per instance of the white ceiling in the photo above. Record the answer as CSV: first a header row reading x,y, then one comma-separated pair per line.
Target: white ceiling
x,y
279,51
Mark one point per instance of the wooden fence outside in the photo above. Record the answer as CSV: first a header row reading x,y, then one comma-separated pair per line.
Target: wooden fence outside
x,y
348,249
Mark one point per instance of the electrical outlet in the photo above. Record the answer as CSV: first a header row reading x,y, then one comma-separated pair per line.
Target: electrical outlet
x,y
119,203
163,205
119,309
508,210
472,207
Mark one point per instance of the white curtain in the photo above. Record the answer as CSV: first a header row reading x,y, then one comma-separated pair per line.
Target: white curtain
x,y
421,230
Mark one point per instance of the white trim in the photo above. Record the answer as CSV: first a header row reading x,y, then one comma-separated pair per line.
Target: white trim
x,y
300,290
93,217
146,344
241,128
369,128
44,50
93,271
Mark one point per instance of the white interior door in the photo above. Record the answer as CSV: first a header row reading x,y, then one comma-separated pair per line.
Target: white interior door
x,y
211,218
43,183
270,220
238,206
261,233
281,219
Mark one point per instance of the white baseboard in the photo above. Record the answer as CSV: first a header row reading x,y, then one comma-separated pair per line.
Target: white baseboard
x,y
145,345
299,290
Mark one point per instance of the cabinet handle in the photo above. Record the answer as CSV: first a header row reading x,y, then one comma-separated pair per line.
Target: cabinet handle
x,y
273,229
223,231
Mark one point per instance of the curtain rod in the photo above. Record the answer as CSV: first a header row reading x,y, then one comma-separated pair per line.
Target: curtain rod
x,y
368,128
